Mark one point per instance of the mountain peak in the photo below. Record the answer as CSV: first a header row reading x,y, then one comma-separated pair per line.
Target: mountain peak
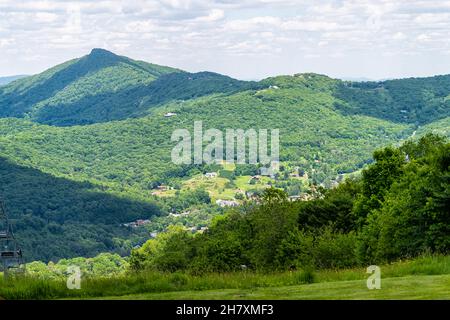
x,y
100,58
101,52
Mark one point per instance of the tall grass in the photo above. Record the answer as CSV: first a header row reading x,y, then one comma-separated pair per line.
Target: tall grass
x,y
26,287
424,265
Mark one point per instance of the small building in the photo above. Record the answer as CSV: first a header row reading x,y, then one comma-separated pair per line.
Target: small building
x,y
295,198
141,222
170,114
137,223
210,175
227,203
130,224
176,215
202,229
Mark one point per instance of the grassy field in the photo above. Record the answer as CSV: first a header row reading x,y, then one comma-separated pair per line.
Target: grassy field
x,y
218,187
411,287
426,277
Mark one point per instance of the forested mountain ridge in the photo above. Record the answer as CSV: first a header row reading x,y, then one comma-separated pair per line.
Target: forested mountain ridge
x,y
89,139
56,217
74,86
414,100
102,87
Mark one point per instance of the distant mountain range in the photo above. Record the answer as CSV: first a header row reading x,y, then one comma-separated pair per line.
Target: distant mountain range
x,y
85,142
102,86
6,80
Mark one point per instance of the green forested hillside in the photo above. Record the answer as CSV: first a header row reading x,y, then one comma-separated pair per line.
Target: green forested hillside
x,y
135,153
131,101
127,159
84,144
56,217
102,86
440,127
397,209
74,87
416,100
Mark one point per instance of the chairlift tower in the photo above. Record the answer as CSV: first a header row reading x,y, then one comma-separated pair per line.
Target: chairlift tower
x,y
10,252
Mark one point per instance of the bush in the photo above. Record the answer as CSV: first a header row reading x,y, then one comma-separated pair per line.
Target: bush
x,y
335,250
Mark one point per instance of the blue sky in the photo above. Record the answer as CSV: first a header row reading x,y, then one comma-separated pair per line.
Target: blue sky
x,y
247,39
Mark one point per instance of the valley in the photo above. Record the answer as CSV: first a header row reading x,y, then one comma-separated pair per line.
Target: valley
x,y
98,123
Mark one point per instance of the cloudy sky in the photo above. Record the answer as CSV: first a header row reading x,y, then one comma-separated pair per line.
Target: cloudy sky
x,y
246,39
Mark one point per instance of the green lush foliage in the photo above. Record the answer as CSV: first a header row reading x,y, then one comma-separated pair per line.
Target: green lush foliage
x,y
121,162
68,93
414,100
102,87
399,208
104,265
56,218
70,186
409,213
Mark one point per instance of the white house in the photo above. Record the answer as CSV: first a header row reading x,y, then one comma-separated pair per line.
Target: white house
x,y
211,174
227,203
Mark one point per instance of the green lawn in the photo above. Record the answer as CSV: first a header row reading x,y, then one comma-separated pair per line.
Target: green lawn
x,y
410,287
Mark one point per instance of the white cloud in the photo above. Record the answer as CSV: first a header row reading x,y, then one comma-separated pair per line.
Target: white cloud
x,y
214,15
46,17
399,36
202,34
423,37
6,42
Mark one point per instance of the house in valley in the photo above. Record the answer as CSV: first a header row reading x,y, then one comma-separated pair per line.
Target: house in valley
x,y
227,203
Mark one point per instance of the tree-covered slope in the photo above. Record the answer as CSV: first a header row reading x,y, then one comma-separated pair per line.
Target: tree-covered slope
x,y
56,217
63,158
102,86
71,187
416,100
440,127
135,153
79,85
136,100
398,208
